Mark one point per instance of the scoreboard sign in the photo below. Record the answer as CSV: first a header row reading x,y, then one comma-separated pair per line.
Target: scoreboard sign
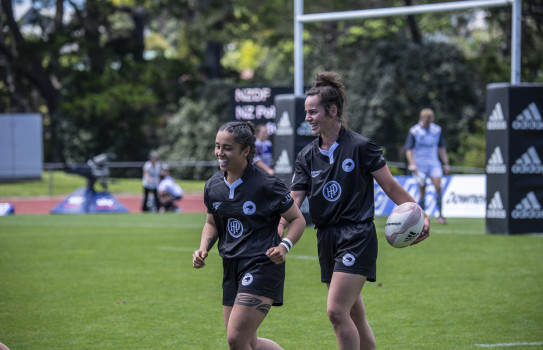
x,y
256,104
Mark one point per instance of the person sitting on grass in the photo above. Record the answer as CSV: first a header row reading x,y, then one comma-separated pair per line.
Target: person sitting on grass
x,y
168,191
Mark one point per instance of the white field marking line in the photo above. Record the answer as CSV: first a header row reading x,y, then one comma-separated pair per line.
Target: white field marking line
x,y
455,232
185,249
506,345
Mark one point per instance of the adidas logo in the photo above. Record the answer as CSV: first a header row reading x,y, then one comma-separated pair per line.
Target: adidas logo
x,y
284,128
529,119
496,121
283,166
528,208
495,208
495,164
304,129
528,163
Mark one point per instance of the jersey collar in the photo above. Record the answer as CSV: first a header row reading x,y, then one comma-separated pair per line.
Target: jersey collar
x,y
330,152
238,182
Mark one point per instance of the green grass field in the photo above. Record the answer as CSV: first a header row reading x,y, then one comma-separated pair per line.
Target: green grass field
x,y
125,282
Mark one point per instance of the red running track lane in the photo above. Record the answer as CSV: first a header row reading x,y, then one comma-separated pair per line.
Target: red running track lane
x,y
191,203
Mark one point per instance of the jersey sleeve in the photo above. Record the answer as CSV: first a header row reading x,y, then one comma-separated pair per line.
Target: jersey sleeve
x,y
258,154
374,156
282,200
206,199
441,142
410,142
301,177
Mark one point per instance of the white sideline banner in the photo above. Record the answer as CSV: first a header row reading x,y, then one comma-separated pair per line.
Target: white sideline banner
x,y
464,196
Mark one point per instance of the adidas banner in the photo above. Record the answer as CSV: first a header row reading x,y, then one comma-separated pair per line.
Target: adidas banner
x,y
292,134
514,153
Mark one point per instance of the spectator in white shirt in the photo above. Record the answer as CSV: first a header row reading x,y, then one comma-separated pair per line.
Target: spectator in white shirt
x,y
168,191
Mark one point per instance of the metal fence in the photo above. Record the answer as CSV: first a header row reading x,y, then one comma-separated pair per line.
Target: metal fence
x,y
51,167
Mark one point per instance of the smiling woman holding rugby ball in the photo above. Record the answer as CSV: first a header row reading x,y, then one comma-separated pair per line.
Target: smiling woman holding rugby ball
x,y
336,173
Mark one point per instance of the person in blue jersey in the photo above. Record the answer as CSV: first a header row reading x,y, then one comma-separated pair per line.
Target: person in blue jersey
x,y
336,173
244,206
424,144
264,149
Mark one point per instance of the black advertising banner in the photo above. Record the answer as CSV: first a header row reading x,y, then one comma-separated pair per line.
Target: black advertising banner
x,y
514,153
292,134
256,104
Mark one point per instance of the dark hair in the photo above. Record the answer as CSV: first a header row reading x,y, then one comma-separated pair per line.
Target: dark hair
x,y
244,134
329,87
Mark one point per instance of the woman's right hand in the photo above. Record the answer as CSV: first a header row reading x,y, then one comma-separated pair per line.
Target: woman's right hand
x,y
198,258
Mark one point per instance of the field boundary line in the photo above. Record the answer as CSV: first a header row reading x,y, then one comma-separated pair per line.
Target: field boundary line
x,y
506,345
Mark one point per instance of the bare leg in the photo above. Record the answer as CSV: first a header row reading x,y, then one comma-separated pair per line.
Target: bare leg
x,y
422,197
242,321
436,181
346,312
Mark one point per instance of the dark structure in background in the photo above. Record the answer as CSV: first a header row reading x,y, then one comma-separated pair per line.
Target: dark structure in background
x,y
291,135
514,153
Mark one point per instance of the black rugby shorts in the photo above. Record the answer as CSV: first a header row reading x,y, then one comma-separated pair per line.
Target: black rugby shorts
x,y
256,275
350,248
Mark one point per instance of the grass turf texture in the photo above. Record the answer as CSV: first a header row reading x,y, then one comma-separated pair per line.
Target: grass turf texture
x,y
125,281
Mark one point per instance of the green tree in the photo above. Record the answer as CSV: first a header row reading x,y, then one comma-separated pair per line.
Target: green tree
x,y
190,133
394,81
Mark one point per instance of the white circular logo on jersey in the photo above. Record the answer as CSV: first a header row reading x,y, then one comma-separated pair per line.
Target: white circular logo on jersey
x,y
348,259
348,165
331,191
247,279
235,227
249,208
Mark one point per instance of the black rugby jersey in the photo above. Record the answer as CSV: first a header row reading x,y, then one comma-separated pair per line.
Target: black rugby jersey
x,y
247,212
338,182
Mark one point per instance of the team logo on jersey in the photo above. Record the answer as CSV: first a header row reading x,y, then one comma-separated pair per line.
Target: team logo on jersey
x,y
348,259
235,227
249,208
247,279
315,173
331,191
348,165
286,199
216,205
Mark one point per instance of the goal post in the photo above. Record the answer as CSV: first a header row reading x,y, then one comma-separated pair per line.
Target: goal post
x,y
300,18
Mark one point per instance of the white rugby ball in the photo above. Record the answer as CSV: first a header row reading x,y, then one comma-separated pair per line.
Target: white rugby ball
x,y
404,225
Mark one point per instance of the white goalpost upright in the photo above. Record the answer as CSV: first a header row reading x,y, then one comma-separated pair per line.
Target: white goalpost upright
x,y
300,18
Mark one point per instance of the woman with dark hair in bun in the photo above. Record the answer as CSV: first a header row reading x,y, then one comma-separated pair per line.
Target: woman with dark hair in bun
x,y
244,206
336,173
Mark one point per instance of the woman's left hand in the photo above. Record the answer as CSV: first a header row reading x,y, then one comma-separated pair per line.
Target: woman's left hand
x,y
277,254
425,230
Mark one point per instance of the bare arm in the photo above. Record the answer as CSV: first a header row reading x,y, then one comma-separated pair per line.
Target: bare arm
x,y
209,237
296,227
298,197
391,187
264,167
442,152
411,160
399,196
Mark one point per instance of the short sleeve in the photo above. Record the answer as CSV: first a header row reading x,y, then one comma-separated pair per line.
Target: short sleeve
x,y
374,156
301,178
410,142
441,142
206,200
282,200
